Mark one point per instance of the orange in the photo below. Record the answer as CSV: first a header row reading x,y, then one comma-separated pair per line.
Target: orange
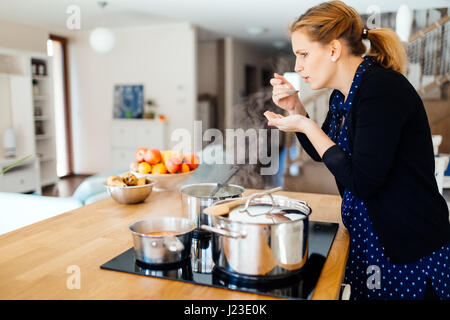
x,y
159,168
184,168
144,167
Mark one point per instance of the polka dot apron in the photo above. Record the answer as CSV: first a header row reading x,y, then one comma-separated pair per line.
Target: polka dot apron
x,y
368,270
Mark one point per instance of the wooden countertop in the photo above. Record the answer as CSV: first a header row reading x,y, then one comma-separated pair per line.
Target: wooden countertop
x,y
34,260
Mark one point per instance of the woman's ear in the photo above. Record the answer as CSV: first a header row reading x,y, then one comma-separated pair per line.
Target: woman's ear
x,y
336,50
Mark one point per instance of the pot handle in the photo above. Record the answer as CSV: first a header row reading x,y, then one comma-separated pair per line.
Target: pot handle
x,y
223,232
173,244
258,195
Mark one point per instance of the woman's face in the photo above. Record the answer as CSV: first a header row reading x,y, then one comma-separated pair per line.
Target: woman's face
x,y
313,61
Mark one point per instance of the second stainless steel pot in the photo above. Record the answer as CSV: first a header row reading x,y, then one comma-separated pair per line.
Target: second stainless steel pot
x,y
195,198
250,242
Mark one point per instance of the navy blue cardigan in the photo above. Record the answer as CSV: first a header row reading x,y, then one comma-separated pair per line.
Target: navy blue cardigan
x,y
391,166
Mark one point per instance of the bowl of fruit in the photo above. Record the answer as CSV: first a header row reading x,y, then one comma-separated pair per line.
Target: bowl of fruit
x,y
167,168
129,189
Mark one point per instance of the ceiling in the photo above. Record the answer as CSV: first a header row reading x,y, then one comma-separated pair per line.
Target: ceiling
x,y
214,17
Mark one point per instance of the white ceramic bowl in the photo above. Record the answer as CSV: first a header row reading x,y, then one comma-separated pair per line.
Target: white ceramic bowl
x,y
167,181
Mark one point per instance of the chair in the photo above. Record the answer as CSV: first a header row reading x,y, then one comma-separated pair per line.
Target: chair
x,y
437,140
441,163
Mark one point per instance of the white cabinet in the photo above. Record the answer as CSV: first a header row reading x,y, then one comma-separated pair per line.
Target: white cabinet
x,y
25,177
122,157
151,135
122,135
129,134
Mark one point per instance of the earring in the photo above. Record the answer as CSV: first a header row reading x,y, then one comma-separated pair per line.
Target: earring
x,y
333,59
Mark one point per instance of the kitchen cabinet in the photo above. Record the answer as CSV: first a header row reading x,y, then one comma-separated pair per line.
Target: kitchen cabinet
x,y
129,134
40,260
24,177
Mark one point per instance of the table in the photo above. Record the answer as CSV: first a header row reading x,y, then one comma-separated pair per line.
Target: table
x,y
42,260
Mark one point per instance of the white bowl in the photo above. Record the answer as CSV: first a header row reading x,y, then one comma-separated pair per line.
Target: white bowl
x,y
167,181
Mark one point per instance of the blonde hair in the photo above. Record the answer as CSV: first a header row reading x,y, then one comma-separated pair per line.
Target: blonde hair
x,y
336,20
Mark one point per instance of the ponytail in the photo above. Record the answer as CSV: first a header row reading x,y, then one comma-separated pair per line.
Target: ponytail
x,y
387,49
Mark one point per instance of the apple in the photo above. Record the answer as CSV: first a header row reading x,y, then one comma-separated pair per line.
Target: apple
x,y
192,160
173,164
140,154
152,156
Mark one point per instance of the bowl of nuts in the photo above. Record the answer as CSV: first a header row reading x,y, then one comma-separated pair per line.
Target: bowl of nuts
x,y
129,189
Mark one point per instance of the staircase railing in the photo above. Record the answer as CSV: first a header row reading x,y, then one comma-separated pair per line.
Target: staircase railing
x,y
429,56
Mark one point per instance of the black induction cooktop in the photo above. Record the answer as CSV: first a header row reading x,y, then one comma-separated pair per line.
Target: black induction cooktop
x,y
298,286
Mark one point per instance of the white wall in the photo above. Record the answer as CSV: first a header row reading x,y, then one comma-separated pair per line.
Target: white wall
x,y
163,58
22,37
5,108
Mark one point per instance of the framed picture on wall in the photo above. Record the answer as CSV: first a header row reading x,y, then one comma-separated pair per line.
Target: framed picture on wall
x,y
128,101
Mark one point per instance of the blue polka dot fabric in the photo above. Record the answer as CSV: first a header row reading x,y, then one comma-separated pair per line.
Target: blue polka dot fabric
x,y
368,270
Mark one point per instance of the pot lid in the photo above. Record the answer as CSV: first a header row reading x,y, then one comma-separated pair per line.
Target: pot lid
x,y
264,211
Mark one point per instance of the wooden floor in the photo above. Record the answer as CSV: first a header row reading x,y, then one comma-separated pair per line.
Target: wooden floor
x,y
65,187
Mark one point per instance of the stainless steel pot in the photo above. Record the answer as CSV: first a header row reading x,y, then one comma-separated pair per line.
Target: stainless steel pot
x,y
195,198
268,236
201,254
162,249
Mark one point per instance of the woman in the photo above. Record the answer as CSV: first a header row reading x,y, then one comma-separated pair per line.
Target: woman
x,y
376,141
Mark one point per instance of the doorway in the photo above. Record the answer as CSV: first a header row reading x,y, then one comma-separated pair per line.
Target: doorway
x,y
251,83
57,47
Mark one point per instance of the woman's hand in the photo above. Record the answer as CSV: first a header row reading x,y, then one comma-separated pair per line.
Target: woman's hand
x,y
291,123
288,102
299,123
